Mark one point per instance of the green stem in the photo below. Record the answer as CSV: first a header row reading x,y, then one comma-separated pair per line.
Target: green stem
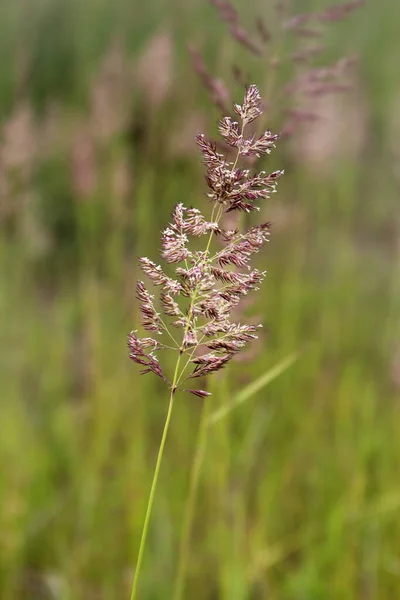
x,y
191,501
154,483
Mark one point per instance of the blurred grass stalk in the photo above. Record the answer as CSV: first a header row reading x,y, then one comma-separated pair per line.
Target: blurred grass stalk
x,y
207,421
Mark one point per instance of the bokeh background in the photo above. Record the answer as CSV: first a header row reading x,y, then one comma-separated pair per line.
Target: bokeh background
x,y
299,496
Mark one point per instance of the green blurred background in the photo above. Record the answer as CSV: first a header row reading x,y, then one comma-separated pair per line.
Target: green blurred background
x,y
300,489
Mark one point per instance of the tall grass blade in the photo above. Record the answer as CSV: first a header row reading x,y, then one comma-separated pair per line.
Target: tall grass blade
x,y
254,387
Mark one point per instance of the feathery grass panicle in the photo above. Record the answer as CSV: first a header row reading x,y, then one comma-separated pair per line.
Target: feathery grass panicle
x,y
214,282
208,284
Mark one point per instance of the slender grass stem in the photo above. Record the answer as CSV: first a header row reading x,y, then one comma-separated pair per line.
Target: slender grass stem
x,y
154,483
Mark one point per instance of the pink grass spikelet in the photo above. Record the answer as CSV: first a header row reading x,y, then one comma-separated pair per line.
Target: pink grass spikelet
x,y
199,393
137,353
150,317
251,107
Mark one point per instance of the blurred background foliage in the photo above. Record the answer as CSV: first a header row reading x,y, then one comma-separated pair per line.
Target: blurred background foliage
x,y
300,490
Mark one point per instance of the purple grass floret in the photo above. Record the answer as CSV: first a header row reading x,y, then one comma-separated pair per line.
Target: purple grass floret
x,y
138,348
208,284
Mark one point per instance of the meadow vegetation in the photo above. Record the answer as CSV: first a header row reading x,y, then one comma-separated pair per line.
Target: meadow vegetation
x,y
299,491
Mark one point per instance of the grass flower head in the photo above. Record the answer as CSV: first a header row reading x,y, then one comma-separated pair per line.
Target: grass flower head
x,y
208,285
